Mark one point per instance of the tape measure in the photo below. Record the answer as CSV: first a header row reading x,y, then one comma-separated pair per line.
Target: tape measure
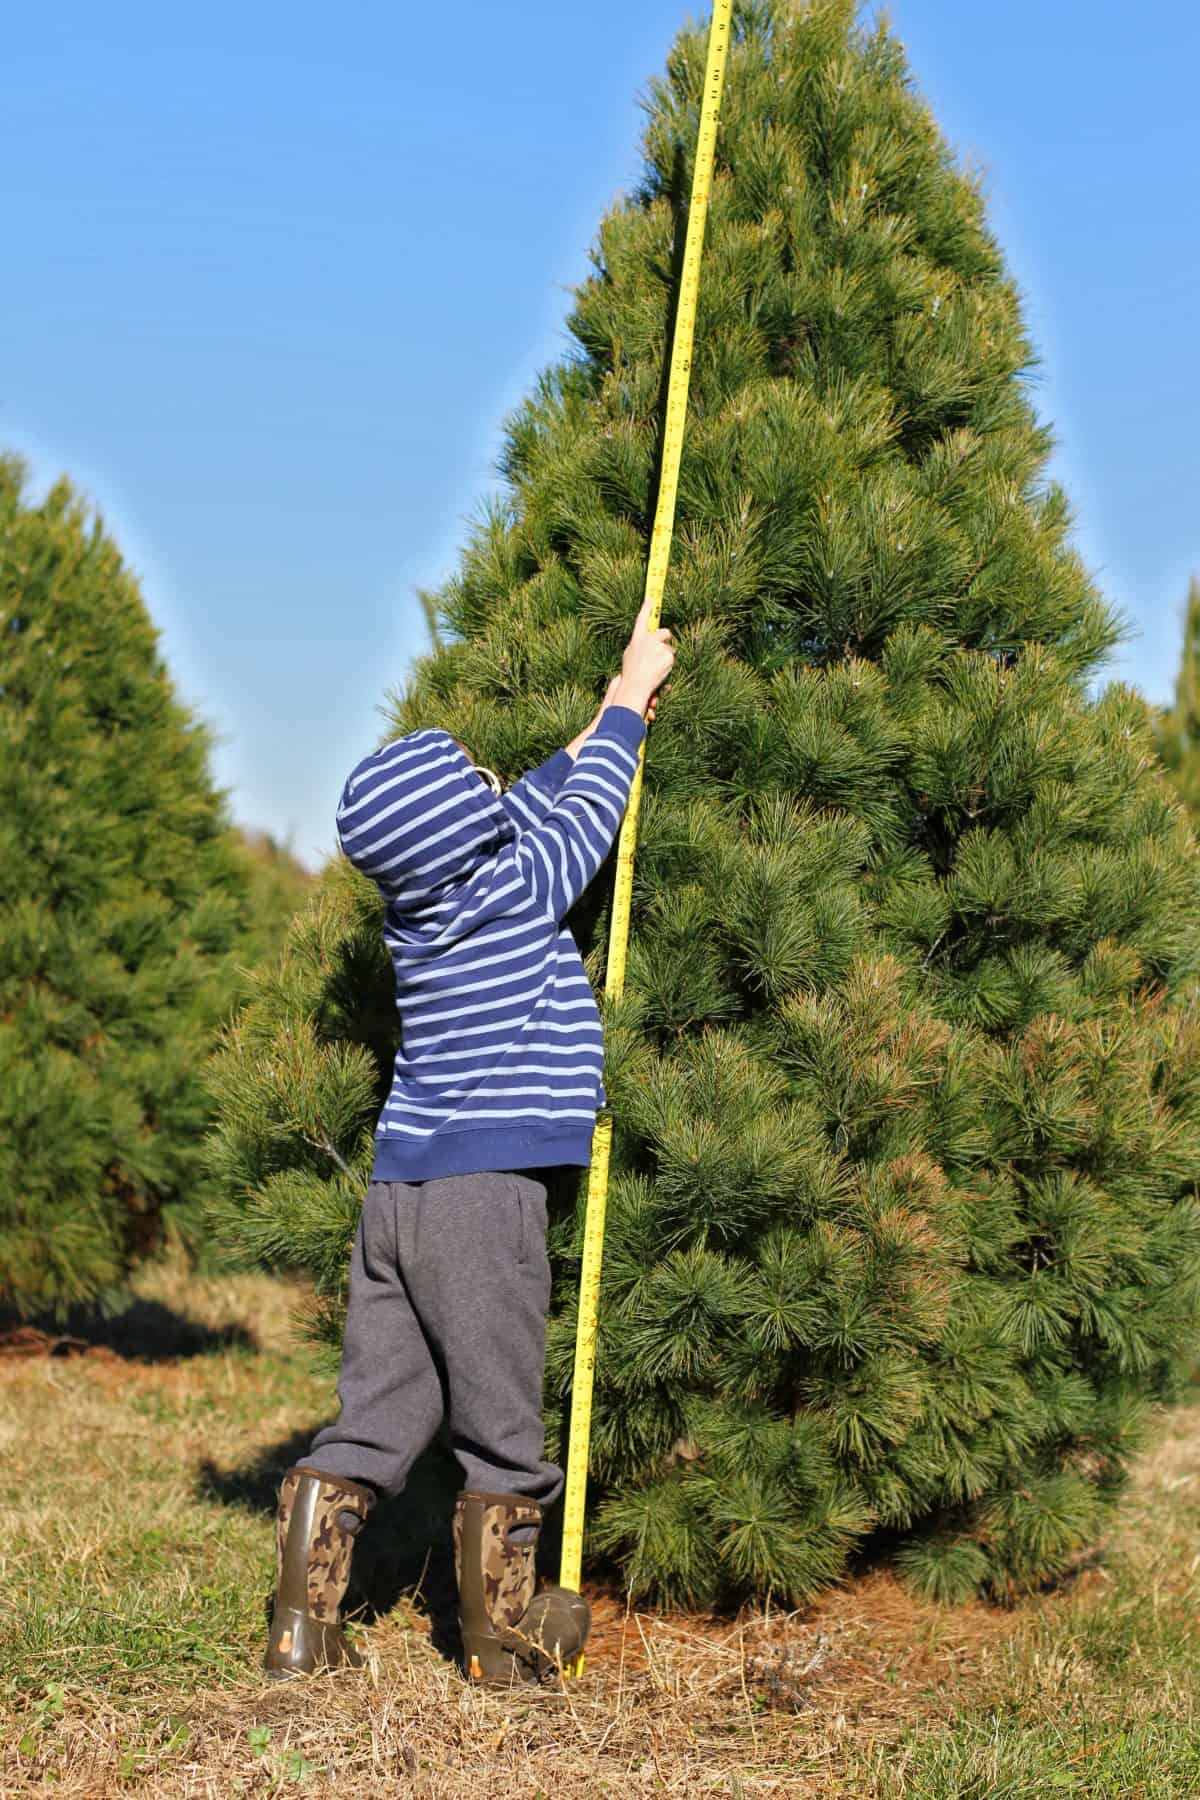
x,y
618,936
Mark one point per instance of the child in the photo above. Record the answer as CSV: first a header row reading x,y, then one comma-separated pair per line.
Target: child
x,y
497,1078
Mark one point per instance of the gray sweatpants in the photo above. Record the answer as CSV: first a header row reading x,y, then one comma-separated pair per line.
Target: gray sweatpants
x,y
449,1289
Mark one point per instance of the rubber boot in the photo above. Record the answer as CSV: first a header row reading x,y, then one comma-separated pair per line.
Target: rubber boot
x,y
510,1632
318,1519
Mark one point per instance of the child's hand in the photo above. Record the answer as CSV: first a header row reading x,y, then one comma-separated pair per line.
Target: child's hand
x,y
648,660
611,698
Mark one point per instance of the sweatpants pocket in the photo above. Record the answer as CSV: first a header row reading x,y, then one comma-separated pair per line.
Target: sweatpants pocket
x,y
522,1220
529,1196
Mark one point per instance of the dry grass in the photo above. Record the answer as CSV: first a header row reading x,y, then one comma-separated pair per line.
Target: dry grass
x,y
135,1560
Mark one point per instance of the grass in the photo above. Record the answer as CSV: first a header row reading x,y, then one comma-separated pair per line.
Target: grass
x,y
136,1482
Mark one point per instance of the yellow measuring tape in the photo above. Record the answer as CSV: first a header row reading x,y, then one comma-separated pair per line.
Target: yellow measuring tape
x,y
618,936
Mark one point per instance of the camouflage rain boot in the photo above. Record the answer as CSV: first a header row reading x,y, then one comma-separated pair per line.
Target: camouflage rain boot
x,y
318,1519
510,1633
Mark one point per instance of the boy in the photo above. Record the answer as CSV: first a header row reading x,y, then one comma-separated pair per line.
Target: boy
x,y
497,1077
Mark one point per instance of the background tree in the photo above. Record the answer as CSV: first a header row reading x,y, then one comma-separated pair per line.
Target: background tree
x,y
279,887
1177,728
903,1233
125,904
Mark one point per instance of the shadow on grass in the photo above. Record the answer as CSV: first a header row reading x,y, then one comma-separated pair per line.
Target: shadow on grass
x,y
145,1331
405,1550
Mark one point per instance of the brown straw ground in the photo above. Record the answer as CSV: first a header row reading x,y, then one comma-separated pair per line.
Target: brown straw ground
x,y
765,1705
131,1626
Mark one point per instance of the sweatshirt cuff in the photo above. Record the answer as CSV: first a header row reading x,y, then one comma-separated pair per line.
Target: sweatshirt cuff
x,y
622,723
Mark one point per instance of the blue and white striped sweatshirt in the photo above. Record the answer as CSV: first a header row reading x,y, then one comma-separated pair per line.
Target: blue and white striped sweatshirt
x,y
501,1051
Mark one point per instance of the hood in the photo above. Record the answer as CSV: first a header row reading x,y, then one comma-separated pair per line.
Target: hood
x,y
418,821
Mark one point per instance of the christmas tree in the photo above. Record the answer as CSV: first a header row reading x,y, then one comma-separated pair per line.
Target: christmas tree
x,y
124,907
902,1234
1177,727
279,887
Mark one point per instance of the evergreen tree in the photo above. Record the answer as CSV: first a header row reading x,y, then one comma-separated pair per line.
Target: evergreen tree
x,y
123,906
279,887
1177,728
902,1230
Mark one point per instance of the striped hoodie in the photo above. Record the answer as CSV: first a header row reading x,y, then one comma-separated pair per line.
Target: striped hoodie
x,y
501,1052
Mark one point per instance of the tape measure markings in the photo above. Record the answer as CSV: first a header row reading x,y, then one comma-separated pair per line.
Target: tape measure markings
x,y
618,940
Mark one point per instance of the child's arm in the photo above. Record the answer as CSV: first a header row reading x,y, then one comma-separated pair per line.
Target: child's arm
x,y
561,854
528,800
576,744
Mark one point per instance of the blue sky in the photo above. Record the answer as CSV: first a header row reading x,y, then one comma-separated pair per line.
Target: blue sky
x,y
275,274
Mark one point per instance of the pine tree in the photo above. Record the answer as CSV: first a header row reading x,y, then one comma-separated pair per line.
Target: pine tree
x,y
903,1235
1177,727
279,887
124,906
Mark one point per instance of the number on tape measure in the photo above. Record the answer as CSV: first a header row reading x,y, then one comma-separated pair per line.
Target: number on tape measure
x,y
618,942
